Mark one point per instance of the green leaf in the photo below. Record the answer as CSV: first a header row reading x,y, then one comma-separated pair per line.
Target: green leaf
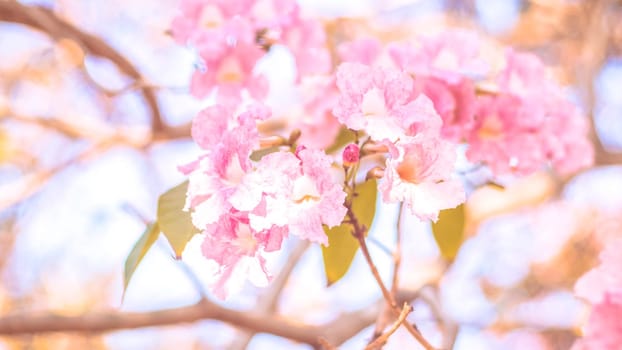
x,y
342,246
175,223
364,204
449,231
344,137
146,240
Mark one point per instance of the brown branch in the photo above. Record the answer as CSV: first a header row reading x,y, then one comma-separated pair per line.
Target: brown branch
x,y
388,297
326,345
385,317
382,339
45,20
337,331
397,255
359,234
107,321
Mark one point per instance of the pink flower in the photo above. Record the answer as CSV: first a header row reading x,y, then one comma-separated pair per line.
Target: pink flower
x,y
569,148
508,135
541,111
525,75
300,193
521,135
419,173
211,25
238,250
442,66
604,328
214,125
219,177
209,125
200,16
225,33
315,119
231,74
455,102
307,41
364,50
378,101
350,154
449,56
316,198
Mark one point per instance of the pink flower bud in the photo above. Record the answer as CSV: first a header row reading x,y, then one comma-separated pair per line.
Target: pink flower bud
x,y
351,154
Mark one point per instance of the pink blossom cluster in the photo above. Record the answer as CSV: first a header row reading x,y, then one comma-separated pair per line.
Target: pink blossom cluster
x,y
602,287
410,105
232,36
419,170
246,208
522,122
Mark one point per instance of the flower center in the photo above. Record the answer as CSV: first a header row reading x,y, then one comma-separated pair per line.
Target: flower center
x,y
245,240
373,104
234,172
230,71
491,129
305,190
211,17
415,167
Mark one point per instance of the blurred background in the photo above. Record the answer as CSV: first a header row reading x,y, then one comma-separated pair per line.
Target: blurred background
x,y
94,123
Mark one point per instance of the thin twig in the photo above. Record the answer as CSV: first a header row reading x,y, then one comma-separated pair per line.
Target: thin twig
x,y
382,339
379,244
397,254
389,298
359,234
385,316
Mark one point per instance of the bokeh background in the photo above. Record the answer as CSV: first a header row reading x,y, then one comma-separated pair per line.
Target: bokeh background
x,y
82,164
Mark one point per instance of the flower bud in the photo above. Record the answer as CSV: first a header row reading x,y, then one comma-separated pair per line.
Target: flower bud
x,y
351,154
375,173
373,148
271,141
294,136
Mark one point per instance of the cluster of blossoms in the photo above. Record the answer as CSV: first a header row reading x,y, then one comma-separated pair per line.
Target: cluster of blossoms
x,y
411,105
602,287
246,208
231,36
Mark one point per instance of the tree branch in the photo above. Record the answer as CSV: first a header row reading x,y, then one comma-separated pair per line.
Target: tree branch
x,y
385,317
337,331
382,339
359,234
45,20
